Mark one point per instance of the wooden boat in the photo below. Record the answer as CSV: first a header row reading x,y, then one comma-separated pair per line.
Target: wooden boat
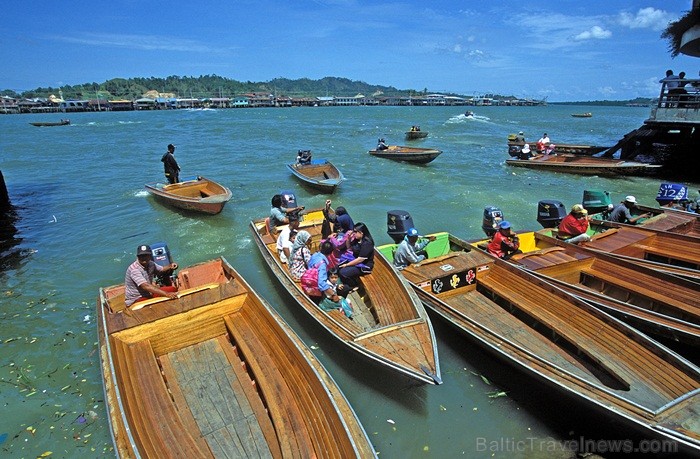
x,y
320,174
413,135
585,165
661,219
407,154
665,252
561,340
559,148
56,123
217,373
389,325
582,115
199,195
651,301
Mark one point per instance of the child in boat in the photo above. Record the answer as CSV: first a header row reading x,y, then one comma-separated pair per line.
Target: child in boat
x,y
336,302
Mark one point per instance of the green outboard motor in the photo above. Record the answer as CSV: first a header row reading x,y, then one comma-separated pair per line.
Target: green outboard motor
x,y
596,201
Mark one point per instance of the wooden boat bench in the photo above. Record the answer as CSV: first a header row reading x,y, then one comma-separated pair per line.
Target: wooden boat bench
x,y
146,389
377,295
671,254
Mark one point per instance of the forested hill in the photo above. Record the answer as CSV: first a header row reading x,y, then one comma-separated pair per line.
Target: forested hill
x,y
214,86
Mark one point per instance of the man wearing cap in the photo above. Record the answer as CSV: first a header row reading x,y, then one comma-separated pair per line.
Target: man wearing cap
x,y
410,250
505,242
573,227
622,213
138,280
172,169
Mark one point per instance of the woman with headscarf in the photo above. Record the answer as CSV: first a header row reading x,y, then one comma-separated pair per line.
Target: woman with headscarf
x,y
300,254
361,245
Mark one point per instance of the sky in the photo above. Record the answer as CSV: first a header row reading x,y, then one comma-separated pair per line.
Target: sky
x,y
561,50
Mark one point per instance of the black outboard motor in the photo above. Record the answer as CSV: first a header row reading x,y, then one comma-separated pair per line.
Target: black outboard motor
x,y
161,257
397,223
550,213
492,217
288,199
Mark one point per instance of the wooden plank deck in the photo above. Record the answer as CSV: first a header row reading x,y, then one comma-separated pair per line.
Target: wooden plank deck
x,y
217,401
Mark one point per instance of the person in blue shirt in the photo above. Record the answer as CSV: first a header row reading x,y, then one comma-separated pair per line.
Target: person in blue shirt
x,y
410,250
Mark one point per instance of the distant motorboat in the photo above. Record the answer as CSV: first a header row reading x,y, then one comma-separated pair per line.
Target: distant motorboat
x,y
469,114
55,123
582,115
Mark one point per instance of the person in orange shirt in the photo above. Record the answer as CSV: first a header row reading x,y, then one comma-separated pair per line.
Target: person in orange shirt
x,y
505,242
574,226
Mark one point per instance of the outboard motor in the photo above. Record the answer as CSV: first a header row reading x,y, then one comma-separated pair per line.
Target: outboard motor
x,y
161,257
397,223
550,213
288,199
596,201
492,217
669,192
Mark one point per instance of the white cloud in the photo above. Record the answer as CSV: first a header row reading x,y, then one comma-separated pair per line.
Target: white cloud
x,y
143,42
595,32
646,18
606,91
458,48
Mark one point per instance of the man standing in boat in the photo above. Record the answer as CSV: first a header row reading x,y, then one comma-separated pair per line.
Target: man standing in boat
x,y
172,169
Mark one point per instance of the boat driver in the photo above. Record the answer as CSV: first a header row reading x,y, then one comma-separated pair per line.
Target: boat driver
x,y
138,280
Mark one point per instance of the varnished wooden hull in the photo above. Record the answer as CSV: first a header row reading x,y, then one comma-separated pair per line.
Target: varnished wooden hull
x,y
563,341
217,373
585,165
201,195
320,174
390,325
407,154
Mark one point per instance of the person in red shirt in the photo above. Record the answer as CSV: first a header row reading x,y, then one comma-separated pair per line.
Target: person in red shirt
x,y
574,226
505,242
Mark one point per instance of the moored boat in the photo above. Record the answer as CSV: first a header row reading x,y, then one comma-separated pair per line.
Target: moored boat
x,y
199,195
514,147
54,123
389,325
319,173
585,165
560,340
407,154
217,372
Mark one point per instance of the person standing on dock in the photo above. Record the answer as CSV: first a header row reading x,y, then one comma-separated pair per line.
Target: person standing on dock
x,y
172,169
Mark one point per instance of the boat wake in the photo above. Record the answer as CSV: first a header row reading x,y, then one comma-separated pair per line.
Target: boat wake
x,y
462,118
141,194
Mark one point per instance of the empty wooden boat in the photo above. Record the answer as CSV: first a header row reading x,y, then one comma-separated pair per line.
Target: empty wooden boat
x,y
408,154
585,165
319,173
198,195
561,340
654,302
217,373
51,123
389,325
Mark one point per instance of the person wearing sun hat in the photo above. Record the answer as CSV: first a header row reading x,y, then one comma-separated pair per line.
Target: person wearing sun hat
x,y
505,242
622,212
574,226
410,251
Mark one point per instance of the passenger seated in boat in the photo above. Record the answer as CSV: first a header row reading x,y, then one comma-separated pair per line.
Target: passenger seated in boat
x,y
139,282
286,238
622,212
339,218
505,242
411,250
520,137
300,255
525,152
360,246
333,301
381,145
280,215
574,226
304,157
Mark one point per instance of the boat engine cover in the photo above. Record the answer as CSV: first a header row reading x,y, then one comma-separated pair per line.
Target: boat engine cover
x,y
550,213
397,223
492,217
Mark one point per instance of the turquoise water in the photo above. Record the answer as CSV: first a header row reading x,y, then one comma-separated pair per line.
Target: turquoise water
x,y
81,211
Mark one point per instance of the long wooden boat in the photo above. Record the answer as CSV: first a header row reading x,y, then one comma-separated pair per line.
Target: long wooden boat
x,y
582,115
561,340
389,324
664,252
407,154
585,165
320,174
54,123
560,148
661,219
199,195
414,135
654,302
217,373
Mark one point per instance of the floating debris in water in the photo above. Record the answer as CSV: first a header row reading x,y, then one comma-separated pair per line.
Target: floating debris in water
x,y
497,394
